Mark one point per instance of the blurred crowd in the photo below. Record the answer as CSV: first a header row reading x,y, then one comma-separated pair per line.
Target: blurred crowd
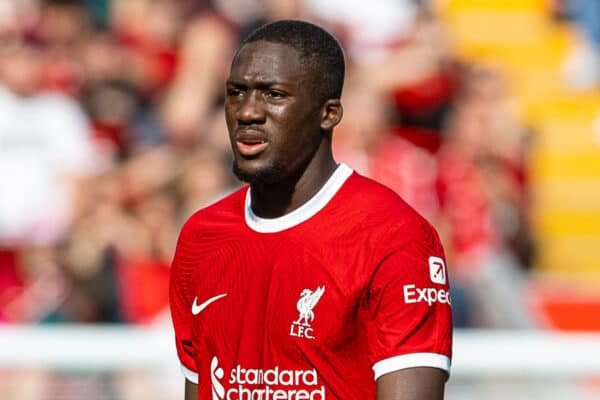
x,y
112,134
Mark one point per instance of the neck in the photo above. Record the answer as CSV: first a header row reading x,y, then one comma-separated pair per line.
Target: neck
x,y
277,199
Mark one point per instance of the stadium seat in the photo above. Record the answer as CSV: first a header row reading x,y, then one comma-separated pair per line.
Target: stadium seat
x,y
493,5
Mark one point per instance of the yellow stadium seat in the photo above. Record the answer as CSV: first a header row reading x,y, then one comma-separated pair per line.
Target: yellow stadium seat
x,y
568,223
547,166
555,136
449,6
483,28
573,195
569,255
569,106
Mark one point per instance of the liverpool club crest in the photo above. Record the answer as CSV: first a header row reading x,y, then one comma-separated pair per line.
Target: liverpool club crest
x,y
308,300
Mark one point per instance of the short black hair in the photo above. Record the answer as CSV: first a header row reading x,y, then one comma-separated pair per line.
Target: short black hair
x,y
317,47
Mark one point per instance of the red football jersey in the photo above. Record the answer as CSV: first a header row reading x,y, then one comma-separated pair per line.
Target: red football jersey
x,y
316,304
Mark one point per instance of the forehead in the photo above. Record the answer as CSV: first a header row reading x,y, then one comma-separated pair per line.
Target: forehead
x,y
268,62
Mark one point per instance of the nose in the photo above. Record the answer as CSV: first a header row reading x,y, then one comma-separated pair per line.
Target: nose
x,y
251,109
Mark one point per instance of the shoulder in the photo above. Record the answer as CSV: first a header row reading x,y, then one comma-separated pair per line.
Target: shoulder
x,y
208,229
227,209
378,201
384,213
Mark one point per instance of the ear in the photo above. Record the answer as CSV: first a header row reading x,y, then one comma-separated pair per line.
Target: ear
x,y
331,114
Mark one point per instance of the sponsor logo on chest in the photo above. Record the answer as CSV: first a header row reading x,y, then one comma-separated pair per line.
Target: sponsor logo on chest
x,y
265,384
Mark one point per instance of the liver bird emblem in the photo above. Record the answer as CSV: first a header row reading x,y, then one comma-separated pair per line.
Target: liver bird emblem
x,y
308,301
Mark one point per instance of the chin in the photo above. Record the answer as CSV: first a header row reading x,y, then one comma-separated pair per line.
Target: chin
x,y
259,176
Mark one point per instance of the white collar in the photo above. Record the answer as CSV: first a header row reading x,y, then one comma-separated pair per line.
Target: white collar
x,y
302,213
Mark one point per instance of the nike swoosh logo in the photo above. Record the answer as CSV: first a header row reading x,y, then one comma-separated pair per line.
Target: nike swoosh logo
x,y
196,309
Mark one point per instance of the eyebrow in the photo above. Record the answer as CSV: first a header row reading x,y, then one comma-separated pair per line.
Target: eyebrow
x,y
260,84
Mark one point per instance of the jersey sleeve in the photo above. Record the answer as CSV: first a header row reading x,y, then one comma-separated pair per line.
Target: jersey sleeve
x,y
180,299
409,303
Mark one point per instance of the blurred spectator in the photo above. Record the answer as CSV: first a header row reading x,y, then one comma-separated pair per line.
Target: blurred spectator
x,y
485,150
149,32
89,255
45,148
110,100
63,29
396,50
483,197
122,244
205,50
202,180
401,71
369,32
42,286
45,151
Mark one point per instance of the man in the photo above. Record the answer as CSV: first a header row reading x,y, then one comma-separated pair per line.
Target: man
x,y
46,150
313,282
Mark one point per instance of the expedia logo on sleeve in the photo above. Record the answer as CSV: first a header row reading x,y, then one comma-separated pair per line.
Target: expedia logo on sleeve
x,y
430,295
266,384
413,294
437,270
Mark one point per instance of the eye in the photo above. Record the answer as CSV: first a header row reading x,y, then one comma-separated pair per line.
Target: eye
x,y
275,94
234,92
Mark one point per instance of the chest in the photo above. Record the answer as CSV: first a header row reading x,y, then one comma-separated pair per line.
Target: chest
x,y
281,298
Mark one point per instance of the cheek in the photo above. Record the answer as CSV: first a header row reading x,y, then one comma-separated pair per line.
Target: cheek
x,y
230,120
295,131
229,113
297,118
307,132
298,143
